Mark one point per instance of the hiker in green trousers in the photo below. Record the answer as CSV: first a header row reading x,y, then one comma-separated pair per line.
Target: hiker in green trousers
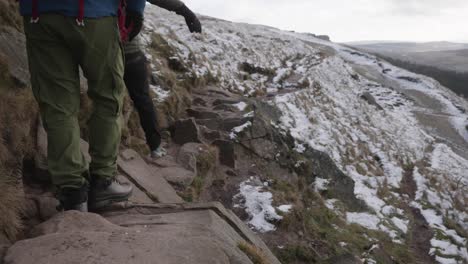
x,y
61,37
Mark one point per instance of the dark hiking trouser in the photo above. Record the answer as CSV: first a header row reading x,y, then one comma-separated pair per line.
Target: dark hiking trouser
x,y
137,82
56,48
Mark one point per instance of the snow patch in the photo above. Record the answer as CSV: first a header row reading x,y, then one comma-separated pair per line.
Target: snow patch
x,y
321,184
285,208
364,219
258,204
237,130
241,106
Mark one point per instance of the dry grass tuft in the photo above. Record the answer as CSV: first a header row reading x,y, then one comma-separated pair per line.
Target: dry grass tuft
x,y
207,165
255,254
18,115
9,15
11,206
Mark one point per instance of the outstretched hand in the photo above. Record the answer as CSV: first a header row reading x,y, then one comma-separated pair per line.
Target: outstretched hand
x,y
191,19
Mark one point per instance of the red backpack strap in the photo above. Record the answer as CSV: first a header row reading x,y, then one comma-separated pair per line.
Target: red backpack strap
x,y
35,11
122,17
80,17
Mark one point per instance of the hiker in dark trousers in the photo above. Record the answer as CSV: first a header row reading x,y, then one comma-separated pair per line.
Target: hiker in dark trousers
x,y
63,35
136,70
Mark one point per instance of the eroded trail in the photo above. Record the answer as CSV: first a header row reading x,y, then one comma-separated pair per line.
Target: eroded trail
x,y
420,234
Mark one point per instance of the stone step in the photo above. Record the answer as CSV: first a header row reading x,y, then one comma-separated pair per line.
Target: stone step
x,y
138,233
225,101
226,107
202,113
186,131
141,174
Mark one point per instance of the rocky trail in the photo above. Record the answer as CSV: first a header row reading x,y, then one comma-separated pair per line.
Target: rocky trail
x,y
282,147
420,233
430,111
156,224
224,140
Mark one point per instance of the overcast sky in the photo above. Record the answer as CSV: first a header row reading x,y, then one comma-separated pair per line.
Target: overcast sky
x,y
350,20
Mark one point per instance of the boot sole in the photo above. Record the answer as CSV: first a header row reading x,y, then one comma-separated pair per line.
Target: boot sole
x,y
105,202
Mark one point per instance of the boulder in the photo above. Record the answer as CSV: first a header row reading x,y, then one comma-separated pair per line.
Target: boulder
x,y
40,207
263,147
178,176
187,155
186,131
168,234
47,206
227,155
341,186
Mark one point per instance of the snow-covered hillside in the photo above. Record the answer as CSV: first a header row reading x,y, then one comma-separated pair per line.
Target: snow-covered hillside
x,y
409,130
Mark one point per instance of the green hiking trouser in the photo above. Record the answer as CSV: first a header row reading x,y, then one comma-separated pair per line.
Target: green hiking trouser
x,y
56,48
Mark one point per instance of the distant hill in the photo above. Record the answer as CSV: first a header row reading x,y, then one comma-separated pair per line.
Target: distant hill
x,y
448,59
444,55
408,47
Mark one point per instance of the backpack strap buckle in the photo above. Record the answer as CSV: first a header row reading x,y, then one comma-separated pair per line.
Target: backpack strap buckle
x,y
80,22
34,20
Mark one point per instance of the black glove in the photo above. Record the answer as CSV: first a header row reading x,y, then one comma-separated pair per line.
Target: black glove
x,y
191,19
134,23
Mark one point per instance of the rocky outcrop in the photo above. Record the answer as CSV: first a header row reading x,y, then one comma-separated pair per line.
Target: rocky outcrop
x,y
186,131
138,234
13,52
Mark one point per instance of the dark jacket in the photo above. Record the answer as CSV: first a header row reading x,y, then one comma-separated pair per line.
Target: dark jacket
x,y
92,8
171,5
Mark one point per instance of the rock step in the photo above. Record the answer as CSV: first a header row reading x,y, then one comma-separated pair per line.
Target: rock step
x,y
225,124
169,234
202,113
147,179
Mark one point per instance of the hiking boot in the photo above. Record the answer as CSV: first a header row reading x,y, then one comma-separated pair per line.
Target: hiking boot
x,y
73,199
104,192
158,153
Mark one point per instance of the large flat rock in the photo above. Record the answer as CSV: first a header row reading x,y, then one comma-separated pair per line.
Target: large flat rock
x,y
165,234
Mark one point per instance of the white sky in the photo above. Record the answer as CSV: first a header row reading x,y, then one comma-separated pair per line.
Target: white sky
x,y
350,20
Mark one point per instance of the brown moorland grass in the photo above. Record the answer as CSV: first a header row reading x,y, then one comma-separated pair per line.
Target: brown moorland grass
x,y
18,115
